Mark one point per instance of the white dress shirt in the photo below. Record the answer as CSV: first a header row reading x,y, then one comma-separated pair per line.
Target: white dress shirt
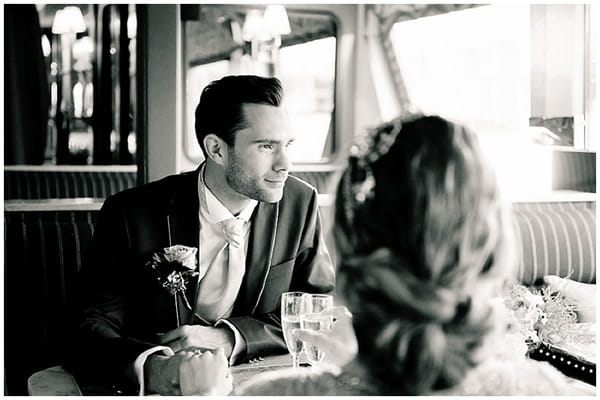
x,y
213,245
212,240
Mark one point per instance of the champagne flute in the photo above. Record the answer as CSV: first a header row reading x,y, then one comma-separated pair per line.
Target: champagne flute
x,y
293,305
313,320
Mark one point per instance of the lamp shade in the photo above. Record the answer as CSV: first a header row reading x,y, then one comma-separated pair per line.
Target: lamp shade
x,y
253,24
68,20
276,20
266,26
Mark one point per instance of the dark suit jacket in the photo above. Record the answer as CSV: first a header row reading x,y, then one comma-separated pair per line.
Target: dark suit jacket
x,y
124,306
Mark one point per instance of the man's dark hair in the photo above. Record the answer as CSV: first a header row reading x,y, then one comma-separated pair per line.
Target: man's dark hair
x,y
220,108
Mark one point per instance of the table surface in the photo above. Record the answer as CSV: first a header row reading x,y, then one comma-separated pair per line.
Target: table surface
x,y
55,381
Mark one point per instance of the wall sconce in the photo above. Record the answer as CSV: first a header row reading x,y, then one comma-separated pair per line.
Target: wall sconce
x,y
132,25
264,31
46,46
67,23
83,90
265,26
253,26
276,20
68,20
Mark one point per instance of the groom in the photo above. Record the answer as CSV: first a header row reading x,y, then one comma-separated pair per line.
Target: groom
x,y
256,229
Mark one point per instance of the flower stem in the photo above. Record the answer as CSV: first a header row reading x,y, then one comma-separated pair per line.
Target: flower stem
x,y
176,308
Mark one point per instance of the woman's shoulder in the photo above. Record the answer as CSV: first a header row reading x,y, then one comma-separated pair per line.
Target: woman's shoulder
x,y
303,383
524,377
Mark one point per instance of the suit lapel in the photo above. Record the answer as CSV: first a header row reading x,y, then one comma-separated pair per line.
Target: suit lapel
x,y
184,229
258,260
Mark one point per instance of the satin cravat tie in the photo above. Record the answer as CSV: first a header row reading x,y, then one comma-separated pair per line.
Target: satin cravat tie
x,y
233,229
218,289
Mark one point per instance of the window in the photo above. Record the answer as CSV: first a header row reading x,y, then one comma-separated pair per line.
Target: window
x,y
468,66
309,90
514,73
213,51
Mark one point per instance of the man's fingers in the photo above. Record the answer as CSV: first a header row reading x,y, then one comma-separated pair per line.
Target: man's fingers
x,y
220,353
175,346
172,335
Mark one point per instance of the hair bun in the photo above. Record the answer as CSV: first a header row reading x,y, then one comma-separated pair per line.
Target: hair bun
x,y
410,329
387,276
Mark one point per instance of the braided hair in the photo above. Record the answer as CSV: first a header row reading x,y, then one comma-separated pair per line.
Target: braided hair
x,y
422,252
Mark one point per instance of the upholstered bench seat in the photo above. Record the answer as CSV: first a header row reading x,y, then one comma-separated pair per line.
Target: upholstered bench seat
x,y
556,238
43,250
44,246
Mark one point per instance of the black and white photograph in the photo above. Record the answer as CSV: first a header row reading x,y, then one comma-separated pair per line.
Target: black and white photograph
x,y
318,199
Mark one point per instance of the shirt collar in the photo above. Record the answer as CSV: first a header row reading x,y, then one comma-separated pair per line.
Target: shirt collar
x,y
215,210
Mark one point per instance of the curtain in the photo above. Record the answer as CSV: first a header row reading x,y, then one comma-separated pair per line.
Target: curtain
x,y
389,14
26,94
387,77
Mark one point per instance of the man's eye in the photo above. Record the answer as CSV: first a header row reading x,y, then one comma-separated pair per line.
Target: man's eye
x,y
289,144
266,146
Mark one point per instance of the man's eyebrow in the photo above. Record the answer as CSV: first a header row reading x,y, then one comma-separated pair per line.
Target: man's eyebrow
x,y
270,141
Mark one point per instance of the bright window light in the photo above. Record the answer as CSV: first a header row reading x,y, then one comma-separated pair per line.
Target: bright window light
x,y
309,89
196,80
470,65
473,66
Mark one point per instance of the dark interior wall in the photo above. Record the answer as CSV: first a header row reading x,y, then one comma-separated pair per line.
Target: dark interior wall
x,y
26,91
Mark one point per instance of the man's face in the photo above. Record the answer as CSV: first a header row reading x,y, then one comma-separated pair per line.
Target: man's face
x,y
259,161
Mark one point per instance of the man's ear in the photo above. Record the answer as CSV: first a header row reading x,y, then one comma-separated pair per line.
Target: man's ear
x,y
216,148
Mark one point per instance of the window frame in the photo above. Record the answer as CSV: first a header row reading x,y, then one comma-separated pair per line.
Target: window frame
x,y
332,143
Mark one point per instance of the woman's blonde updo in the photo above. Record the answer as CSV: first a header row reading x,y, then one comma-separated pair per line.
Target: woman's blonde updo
x,y
421,256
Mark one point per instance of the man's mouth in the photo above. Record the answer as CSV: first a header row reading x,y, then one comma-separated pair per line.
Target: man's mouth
x,y
276,181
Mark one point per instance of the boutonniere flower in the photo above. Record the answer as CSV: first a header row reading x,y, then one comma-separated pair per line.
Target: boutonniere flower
x,y
174,266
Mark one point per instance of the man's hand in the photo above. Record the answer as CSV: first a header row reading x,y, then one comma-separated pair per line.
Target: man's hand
x,y
205,337
339,344
161,374
189,372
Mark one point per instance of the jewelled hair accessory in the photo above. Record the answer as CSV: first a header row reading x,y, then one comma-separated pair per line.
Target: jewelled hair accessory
x,y
358,182
369,148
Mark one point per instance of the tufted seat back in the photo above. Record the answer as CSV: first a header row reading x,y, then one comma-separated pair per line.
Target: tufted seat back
x,y
32,183
556,238
42,255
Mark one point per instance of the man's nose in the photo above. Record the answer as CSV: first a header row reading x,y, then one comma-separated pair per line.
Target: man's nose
x,y
283,160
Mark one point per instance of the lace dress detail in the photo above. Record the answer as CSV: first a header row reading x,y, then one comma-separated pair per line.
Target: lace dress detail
x,y
495,377
509,378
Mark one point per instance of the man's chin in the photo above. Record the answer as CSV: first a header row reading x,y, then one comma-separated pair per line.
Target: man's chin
x,y
271,196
